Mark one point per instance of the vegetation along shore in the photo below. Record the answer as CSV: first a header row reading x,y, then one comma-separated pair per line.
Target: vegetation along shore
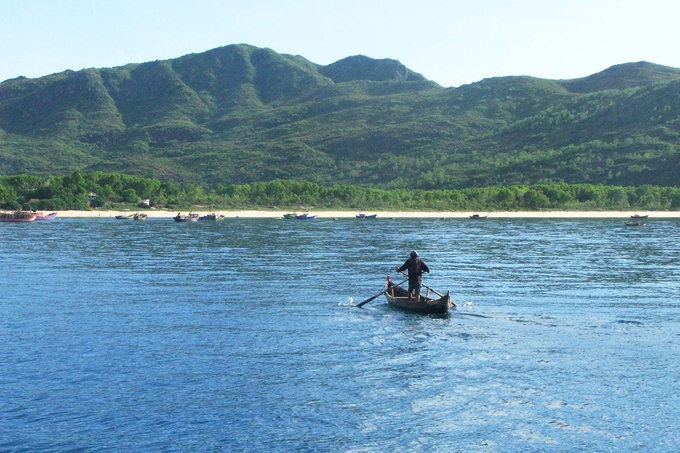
x,y
113,191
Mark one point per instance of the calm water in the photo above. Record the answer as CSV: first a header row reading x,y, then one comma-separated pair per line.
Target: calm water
x,y
241,336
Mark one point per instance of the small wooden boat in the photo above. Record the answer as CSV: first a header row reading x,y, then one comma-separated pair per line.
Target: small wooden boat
x,y
186,218
140,216
398,297
41,216
364,216
638,216
18,216
290,215
305,216
213,217
478,217
124,216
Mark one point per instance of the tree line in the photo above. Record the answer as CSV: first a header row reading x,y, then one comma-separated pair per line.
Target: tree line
x,y
101,190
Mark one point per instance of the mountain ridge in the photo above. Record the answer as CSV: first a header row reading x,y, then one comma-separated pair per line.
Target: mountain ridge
x,y
240,113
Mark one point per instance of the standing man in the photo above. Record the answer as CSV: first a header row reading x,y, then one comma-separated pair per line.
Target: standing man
x,y
415,267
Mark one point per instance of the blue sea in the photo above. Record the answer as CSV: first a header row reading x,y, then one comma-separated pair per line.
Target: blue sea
x,y
243,336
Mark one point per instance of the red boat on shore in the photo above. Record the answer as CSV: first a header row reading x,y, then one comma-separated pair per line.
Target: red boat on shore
x,y
18,216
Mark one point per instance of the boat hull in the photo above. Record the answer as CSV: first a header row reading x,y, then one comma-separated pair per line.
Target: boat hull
x,y
185,218
18,216
211,218
398,297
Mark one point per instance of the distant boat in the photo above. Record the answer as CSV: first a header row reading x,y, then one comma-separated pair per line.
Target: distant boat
x,y
638,216
364,216
213,217
305,217
41,216
290,215
140,216
18,216
478,217
124,216
186,218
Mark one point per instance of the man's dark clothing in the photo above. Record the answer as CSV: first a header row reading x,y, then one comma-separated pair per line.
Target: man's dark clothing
x,y
415,267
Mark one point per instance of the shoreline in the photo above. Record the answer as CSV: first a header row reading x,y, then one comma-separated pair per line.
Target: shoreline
x,y
275,214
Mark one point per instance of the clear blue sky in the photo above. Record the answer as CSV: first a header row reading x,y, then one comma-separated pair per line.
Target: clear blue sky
x,y
449,41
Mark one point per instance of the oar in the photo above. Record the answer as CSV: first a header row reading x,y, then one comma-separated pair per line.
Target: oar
x,y
377,295
433,290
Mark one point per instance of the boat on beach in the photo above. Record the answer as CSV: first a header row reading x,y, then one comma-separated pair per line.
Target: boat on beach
x,y
18,216
124,216
364,216
41,216
478,217
290,215
398,297
638,216
212,217
191,217
305,216
140,216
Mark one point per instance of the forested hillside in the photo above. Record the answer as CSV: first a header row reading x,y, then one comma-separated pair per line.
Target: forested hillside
x,y
240,114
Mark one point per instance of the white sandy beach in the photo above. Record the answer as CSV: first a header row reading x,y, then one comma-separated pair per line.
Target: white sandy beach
x,y
388,214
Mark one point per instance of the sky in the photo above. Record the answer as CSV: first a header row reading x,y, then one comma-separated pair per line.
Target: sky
x,y
449,41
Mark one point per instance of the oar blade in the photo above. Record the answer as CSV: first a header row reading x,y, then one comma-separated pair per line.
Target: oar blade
x,y
369,299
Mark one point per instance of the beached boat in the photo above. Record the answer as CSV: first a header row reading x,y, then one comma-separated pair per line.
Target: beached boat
x,y
290,215
364,216
140,216
186,218
18,216
638,216
124,216
213,217
478,217
41,216
398,297
305,217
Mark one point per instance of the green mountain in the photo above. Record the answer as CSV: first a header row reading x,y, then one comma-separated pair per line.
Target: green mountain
x,y
240,114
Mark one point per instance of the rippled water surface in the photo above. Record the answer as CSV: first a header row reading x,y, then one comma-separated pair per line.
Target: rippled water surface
x,y
242,336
